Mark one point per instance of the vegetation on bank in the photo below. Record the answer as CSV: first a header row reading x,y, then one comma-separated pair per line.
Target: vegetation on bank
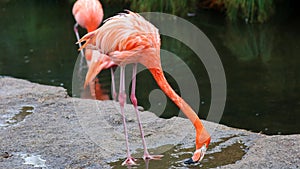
x,y
251,11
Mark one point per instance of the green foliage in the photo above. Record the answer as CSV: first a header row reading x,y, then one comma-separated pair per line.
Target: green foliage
x,y
176,7
249,10
249,42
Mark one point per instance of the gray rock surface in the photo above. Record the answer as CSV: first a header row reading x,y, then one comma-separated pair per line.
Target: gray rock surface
x,y
41,126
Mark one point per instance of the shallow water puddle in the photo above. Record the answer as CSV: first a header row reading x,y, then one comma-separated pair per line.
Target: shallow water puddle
x,y
9,119
174,158
34,160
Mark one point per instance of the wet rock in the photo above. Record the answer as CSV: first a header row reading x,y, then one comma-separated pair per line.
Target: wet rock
x,y
272,152
65,132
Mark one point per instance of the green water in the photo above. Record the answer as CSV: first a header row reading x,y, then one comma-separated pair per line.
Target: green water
x,y
261,62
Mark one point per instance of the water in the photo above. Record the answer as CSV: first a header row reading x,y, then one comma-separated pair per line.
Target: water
x,y
35,160
175,157
10,118
260,61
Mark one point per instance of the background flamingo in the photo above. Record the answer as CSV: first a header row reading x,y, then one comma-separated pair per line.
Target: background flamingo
x,y
89,14
128,38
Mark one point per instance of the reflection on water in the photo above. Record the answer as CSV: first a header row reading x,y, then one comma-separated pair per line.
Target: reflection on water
x,y
263,77
175,157
249,42
260,61
33,41
94,90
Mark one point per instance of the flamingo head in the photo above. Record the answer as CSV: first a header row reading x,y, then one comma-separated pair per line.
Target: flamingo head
x,y
198,155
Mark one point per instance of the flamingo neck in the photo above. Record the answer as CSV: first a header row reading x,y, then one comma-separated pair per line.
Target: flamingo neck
x,y
202,136
91,28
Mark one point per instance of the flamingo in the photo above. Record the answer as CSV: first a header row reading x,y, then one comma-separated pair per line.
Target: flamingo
x,y
89,15
128,38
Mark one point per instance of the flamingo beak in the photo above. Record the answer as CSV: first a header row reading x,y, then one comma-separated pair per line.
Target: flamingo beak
x,y
198,155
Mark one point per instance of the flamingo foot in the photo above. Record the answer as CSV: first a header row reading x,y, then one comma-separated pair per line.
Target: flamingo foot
x,y
152,157
129,161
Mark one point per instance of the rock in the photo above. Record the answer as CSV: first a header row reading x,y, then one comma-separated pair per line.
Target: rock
x,y
64,132
272,152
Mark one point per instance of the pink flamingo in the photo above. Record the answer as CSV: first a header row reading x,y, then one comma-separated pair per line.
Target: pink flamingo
x,y
128,38
89,14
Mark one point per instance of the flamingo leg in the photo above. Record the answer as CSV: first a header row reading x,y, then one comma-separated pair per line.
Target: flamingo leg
x,y
134,102
78,38
92,83
114,93
122,100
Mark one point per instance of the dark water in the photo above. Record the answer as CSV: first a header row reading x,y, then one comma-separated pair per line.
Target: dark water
x,y
261,62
